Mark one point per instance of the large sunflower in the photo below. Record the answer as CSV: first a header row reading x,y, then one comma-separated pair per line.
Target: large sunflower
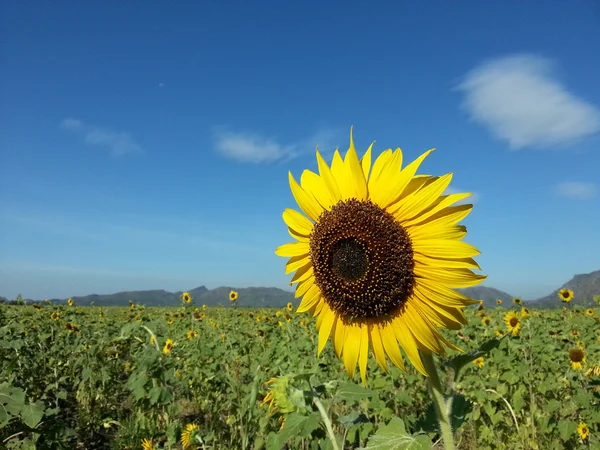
x,y
566,295
378,257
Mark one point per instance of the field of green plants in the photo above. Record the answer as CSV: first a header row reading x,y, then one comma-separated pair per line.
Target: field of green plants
x,y
191,377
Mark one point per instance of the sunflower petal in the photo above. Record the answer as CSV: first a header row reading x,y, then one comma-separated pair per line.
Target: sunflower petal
x,y
297,222
303,287
293,249
363,356
390,344
315,185
296,262
440,208
354,173
407,342
458,263
456,278
303,273
377,346
365,162
352,348
325,327
339,336
311,298
306,201
443,248
419,201
328,178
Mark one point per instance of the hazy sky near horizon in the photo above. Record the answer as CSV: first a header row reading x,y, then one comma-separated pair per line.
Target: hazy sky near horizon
x,y
147,145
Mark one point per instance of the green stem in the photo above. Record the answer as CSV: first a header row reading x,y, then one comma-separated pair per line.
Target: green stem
x,y
442,407
327,422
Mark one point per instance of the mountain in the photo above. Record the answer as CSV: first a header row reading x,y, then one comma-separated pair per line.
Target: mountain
x,y
584,287
489,295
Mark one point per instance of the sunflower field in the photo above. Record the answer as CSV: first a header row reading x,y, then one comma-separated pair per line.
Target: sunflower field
x,y
238,378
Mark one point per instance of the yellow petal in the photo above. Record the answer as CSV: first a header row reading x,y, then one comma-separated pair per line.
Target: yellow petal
x,y
450,318
377,346
442,248
442,295
312,296
307,202
296,262
326,326
293,249
421,329
455,278
315,185
427,231
390,344
328,178
352,348
354,173
339,336
407,342
298,237
410,206
303,273
303,287
458,263
365,161
383,160
381,185
387,194
296,221
363,356
440,208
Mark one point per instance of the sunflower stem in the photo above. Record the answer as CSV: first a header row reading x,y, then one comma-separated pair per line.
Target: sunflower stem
x,y
443,407
327,422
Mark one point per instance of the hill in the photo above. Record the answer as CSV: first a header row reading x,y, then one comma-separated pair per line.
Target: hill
x,y
489,295
584,286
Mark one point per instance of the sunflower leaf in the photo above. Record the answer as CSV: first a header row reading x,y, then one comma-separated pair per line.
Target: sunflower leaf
x,y
352,419
298,425
393,436
352,392
460,361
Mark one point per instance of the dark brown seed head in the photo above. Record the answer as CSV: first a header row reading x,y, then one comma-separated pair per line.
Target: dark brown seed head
x,y
576,355
514,322
362,260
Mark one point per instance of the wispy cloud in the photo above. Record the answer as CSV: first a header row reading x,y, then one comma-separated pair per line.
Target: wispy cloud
x,y
519,99
576,190
119,143
256,148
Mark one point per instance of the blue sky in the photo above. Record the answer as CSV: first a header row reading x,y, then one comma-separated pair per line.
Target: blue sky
x,y
147,145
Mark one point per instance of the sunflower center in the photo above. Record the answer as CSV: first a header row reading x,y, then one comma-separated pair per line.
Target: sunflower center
x,y
514,321
576,355
362,260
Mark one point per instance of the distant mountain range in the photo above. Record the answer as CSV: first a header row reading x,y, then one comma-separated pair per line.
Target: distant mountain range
x,y
585,287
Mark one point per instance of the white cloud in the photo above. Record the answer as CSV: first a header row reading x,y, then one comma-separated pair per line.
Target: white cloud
x,y
519,100
576,190
119,143
255,148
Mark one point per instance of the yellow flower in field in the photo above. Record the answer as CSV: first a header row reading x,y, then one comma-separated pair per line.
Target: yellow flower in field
x,y
575,333
524,312
593,371
479,362
577,357
278,397
223,337
168,346
204,308
499,333
188,435
480,306
486,321
170,322
280,323
378,257
233,296
498,302
147,444
583,430
566,295
71,327
70,302
512,323
152,341
290,306
55,315
186,297
517,301
278,314
191,334
589,312
597,298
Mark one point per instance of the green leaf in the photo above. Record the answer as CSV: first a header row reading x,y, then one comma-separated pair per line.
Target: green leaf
x,y
296,424
458,362
566,428
353,392
12,401
393,436
352,419
32,413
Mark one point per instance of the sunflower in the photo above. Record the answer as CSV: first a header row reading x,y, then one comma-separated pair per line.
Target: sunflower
x,y
574,333
147,444
191,334
188,434
378,257
512,323
486,321
186,297
479,362
589,312
576,357
517,301
498,302
524,312
233,296
583,430
566,295
168,346
290,306
597,298
498,333
204,308
70,302
593,371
